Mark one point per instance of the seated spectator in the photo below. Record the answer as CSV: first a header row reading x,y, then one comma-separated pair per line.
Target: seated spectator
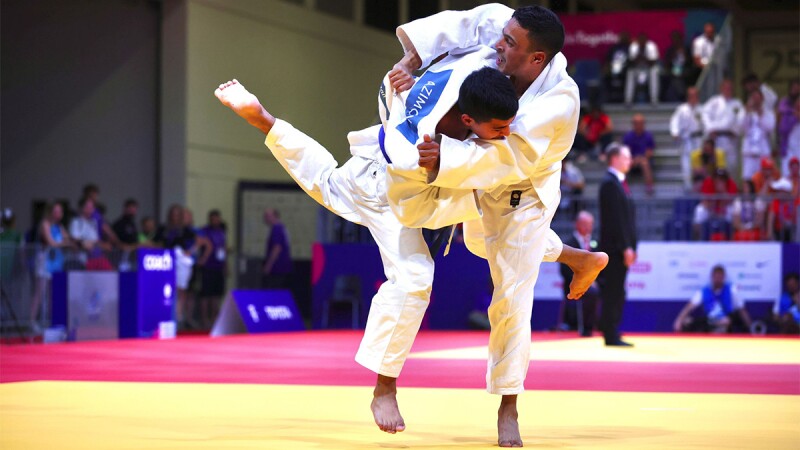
x,y
572,184
786,312
594,129
766,176
782,212
707,159
748,214
756,132
676,67
751,83
642,69
788,115
792,149
125,226
616,67
715,205
721,308
642,145
793,175
581,238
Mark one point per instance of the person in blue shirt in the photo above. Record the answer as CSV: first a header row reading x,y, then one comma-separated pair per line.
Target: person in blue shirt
x,y
786,311
721,307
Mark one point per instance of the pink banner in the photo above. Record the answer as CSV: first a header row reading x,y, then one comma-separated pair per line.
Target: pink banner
x,y
589,36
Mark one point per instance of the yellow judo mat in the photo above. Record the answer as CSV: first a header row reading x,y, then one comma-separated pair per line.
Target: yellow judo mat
x,y
649,349
111,415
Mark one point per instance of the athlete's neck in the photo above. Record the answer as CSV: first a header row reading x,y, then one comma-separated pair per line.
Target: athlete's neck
x,y
451,125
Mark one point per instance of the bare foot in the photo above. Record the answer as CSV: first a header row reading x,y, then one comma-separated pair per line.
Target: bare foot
x,y
234,95
384,406
507,424
586,270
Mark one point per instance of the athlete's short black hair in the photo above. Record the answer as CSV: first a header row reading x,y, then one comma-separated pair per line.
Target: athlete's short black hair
x,y
487,94
545,29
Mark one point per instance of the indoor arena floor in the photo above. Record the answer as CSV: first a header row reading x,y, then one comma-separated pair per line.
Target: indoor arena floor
x,y
303,390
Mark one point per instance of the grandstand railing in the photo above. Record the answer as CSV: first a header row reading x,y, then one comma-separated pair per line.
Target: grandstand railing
x,y
654,217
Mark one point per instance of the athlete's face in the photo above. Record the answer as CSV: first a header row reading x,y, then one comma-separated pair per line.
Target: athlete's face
x,y
491,129
513,50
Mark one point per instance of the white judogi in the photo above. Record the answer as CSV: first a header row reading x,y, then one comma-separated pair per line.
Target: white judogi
x,y
792,148
686,126
770,97
520,177
724,117
357,191
756,137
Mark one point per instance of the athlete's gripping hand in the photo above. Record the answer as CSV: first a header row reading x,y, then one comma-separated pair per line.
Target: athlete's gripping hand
x,y
401,76
428,154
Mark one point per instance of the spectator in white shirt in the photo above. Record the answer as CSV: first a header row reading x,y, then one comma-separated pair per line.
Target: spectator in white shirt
x,y
703,47
751,83
83,227
757,130
643,68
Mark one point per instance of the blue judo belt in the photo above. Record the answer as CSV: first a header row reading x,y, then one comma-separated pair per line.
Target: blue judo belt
x,y
381,140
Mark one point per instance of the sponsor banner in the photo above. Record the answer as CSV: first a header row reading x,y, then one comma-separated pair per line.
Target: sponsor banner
x,y
156,290
589,36
675,271
93,305
258,311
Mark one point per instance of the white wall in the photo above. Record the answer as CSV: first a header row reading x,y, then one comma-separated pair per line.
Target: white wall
x,y
318,72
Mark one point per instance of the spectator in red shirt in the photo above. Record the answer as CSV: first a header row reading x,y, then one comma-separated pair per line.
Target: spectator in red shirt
x,y
764,177
594,128
716,206
782,213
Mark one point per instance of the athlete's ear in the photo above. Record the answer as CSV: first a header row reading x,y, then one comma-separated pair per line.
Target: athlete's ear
x,y
538,57
467,120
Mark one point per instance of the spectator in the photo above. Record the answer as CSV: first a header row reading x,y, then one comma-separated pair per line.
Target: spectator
x,y
715,204
792,149
52,237
278,257
722,118
703,49
641,144
677,63
722,309
594,128
147,232
642,69
686,126
793,176
105,232
788,117
199,248
581,238
751,83
10,241
786,311
616,67
125,226
763,178
748,214
572,184
174,235
215,269
757,127
83,229
707,159
782,213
